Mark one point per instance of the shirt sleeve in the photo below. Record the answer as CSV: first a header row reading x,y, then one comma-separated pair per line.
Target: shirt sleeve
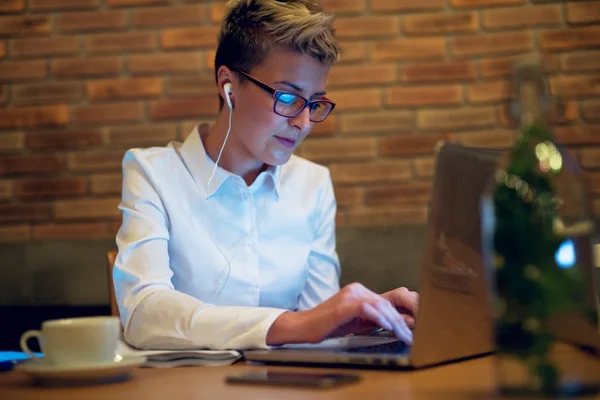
x,y
324,270
153,313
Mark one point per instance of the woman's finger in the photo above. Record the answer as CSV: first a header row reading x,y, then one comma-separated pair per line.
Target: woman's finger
x,y
374,315
398,321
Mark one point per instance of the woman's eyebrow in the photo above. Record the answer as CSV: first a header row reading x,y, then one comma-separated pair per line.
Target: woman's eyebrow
x,y
298,88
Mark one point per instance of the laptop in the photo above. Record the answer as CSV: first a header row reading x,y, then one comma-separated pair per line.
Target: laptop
x,y
455,319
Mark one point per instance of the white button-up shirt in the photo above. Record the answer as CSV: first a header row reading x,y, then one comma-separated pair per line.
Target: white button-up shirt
x,y
214,269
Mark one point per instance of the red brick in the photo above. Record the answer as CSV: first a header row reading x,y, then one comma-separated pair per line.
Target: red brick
x,y
12,6
202,84
17,165
385,216
570,39
580,61
184,108
120,42
569,113
141,135
346,75
380,121
96,160
185,38
6,190
583,12
581,85
356,99
423,167
417,96
11,142
406,145
327,127
4,89
51,115
90,66
106,184
86,230
370,172
36,189
22,70
351,51
366,26
348,197
457,118
25,25
122,3
124,88
488,92
44,47
505,42
406,5
408,49
522,17
590,157
577,135
590,110
24,212
62,140
412,193
489,139
84,209
484,3
565,112
114,112
344,6
209,59
440,23
217,12
502,66
165,62
51,92
338,149
15,233
59,5
594,182
93,20
170,16
438,72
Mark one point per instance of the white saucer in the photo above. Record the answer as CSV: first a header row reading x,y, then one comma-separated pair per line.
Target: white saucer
x,y
116,370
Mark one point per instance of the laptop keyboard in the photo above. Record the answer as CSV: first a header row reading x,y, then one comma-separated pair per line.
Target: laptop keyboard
x,y
385,348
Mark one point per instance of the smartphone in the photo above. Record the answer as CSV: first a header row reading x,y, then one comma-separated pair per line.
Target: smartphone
x,y
276,378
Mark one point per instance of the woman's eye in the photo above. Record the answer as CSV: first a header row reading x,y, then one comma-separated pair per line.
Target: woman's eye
x,y
287,98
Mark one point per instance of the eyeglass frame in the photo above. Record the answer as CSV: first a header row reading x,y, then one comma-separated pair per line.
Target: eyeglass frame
x,y
276,93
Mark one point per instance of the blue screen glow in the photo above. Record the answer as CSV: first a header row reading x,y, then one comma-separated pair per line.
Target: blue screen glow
x,y
565,256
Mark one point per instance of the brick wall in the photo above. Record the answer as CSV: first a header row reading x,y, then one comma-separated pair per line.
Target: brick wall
x,y
81,81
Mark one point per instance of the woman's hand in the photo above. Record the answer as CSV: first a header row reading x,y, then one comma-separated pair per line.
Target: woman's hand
x,y
352,309
406,302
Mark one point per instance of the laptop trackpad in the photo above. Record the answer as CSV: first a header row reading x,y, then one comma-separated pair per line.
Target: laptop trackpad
x,y
346,342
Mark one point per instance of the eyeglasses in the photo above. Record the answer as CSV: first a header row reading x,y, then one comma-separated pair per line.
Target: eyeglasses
x,y
290,105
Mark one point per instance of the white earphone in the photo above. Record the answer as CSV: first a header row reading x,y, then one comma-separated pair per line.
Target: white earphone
x,y
227,88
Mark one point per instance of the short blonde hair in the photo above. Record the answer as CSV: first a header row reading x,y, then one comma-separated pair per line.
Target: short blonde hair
x,y
252,28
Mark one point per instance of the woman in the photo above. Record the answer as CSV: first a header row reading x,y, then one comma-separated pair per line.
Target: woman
x,y
228,239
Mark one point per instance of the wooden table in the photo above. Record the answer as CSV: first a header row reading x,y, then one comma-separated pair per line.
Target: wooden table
x,y
472,379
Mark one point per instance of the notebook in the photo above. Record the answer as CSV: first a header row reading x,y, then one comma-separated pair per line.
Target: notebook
x,y
180,358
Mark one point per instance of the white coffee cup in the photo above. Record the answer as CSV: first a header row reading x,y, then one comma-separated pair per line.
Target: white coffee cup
x,y
76,341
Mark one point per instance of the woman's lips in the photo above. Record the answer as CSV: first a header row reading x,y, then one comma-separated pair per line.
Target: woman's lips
x,y
289,143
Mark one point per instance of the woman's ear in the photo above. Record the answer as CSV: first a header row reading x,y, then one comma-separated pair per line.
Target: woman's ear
x,y
224,78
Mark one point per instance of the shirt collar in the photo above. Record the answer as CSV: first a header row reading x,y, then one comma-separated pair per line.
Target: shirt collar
x,y
201,165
